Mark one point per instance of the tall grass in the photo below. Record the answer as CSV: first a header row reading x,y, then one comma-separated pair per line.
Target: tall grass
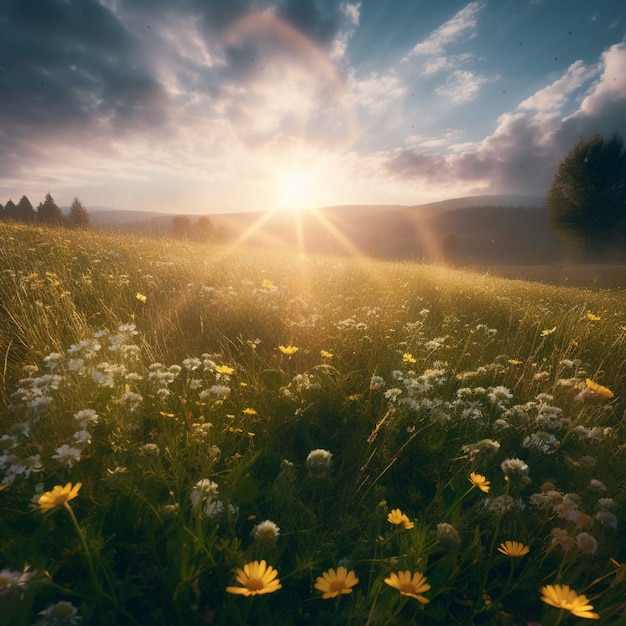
x,y
186,388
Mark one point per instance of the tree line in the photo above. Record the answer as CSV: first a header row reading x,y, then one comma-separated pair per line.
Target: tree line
x,y
47,212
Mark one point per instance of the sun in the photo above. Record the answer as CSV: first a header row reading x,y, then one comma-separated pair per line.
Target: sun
x,y
295,189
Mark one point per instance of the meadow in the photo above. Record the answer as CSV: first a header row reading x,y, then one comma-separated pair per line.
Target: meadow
x,y
224,435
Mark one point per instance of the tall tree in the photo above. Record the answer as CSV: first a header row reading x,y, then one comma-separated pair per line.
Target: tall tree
x,y
78,216
10,210
204,230
181,227
587,198
49,211
25,211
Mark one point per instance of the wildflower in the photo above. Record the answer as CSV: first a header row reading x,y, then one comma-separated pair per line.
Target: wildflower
x,y
14,581
249,411
62,613
266,533
224,369
562,597
546,332
593,318
59,495
398,518
333,583
514,549
392,394
411,585
326,355
141,297
288,350
586,543
478,480
448,535
67,455
319,462
203,490
150,448
598,389
606,518
268,284
408,358
257,578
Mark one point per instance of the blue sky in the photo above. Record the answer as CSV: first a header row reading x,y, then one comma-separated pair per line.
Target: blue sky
x,y
202,106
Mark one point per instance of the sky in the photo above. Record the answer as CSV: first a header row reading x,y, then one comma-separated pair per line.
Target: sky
x,y
210,106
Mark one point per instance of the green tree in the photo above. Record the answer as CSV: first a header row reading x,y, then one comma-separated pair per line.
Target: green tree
x,y
24,210
78,216
587,199
10,210
49,212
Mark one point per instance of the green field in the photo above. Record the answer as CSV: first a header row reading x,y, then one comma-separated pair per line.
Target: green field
x,y
226,405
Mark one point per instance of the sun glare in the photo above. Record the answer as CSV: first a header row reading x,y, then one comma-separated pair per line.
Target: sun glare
x,y
295,190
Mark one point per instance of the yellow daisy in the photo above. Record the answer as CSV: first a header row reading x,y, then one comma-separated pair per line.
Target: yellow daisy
x,y
411,585
288,350
408,358
336,582
478,480
58,496
399,518
224,369
326,355
562,597
257,578
514,549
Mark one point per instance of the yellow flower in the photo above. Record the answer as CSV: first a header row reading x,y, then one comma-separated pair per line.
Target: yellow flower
x,y
398,518
333,583
408,358
514,549
141,297
326,355
478,480
268,284
409,585
58,496
599,389
224,369
249,411
562,597
592,317
514,362
288,350
257,578
547,331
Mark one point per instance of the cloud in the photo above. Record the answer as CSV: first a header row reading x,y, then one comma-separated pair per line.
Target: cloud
x,y
461,86
461,26
522,153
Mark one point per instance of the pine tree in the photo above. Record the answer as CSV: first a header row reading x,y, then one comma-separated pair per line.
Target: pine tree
x,y
48,212
10,210
78,216
24,210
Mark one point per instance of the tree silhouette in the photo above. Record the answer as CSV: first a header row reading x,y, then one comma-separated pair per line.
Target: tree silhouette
x,y
78,216
181,227
587,198
10,210
204,230
48,212
24,210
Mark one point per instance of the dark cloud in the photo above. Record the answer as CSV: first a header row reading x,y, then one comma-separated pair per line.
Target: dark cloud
x,y
69,69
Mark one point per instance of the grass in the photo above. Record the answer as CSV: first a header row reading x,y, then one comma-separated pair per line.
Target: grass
x,y
152,373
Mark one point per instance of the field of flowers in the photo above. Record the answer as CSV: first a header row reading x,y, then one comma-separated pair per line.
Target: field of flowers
x,y
220,435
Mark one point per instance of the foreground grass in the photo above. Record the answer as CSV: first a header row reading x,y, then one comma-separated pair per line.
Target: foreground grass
x,y
224,406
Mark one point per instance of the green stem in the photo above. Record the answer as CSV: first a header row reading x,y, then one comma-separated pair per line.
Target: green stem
x,y
87,553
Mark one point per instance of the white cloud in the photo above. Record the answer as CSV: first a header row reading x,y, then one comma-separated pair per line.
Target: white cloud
x,y
461,86
555,95
462,24
376,93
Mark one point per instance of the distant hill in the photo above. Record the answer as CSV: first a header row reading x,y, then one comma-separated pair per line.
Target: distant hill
x,y
476,229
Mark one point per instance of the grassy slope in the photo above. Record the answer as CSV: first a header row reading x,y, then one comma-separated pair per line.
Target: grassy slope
x,y
58,288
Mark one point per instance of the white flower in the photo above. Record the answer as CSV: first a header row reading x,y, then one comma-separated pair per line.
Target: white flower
x,y
83,437
203,490
150,448
67,455
86,417
606,518
12,581
319,462
586,543
597,485
60,614
266,533
499,394
392,394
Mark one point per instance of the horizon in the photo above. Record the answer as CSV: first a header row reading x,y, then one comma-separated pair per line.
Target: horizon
x,y
175,110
